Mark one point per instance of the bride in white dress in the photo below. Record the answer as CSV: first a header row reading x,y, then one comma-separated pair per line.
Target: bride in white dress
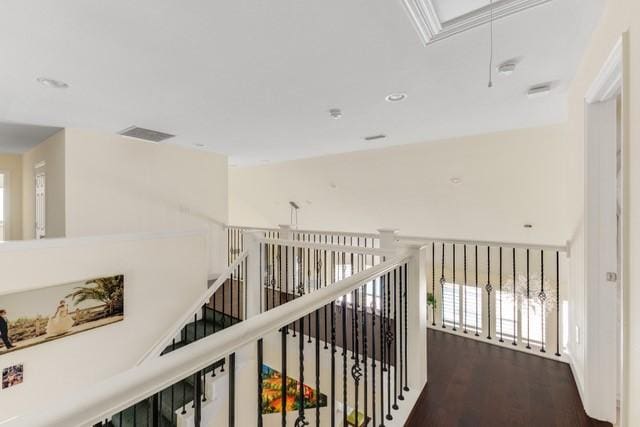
x,y
60,322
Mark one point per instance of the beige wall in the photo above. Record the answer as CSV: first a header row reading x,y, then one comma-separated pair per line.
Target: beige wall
x,y
11,166
118,185
508,179
163,276
619,16
52,152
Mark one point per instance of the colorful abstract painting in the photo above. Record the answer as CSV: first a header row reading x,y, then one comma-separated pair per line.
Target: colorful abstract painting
x,y
272,393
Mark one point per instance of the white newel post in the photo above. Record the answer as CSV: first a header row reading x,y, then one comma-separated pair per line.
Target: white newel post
x,y
388,238
246,382
285,231
417,319
252,285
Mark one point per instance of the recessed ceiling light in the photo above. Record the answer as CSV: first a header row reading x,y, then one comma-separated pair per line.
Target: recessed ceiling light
x,y
540,90
335,113
56,84
507,68
396,97
455,180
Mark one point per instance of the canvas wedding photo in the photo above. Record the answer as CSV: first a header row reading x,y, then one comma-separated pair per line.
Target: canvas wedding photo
x,y
41,315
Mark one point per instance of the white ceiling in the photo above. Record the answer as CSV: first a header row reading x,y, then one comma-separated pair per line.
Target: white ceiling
x,y
255,79
18,138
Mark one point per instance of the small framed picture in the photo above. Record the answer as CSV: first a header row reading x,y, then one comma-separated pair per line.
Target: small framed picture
x,y
13,375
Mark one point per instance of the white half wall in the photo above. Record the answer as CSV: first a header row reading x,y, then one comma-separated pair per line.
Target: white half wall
x,y
164,274
507,179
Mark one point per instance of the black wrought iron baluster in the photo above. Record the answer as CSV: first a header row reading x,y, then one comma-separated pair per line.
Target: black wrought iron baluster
x,y
500,286
224,301
383,310
455,286
516,326
353,319
283,392
356,371
477,334
528,304
388,339
400,329
317,368
557,303
309,289
373,351
197,414
260,385
325,283
464,290
406,318
394,342
489,288
279,274
364,349
135,414
542,297
333,357
344,360
301,420
204,385
442,282
232,390
262,273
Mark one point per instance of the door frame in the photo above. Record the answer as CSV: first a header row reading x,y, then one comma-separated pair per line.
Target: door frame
x,y
7,205
600,385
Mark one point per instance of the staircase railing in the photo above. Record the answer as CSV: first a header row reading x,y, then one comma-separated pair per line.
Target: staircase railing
x,y
219,297
380,381
523,308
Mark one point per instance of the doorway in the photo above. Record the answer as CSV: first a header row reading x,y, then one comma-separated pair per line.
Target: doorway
x,y
604,234
4,211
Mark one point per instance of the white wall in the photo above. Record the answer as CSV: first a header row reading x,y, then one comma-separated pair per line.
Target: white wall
x,y
11,166
158,288
508,179
119,185
51,153
619,16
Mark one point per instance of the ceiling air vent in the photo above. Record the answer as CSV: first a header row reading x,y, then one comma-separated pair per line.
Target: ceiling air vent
x,y
145,134
374,137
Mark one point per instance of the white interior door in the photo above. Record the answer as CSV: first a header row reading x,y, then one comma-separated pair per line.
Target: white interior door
x,y
40,206
601,261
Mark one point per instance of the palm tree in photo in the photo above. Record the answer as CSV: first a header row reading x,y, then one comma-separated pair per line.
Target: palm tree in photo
x,y
108,290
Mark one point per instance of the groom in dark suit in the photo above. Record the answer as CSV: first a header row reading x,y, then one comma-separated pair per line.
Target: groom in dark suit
x,y
4,329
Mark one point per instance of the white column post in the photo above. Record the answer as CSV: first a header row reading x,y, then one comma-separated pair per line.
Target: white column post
x,y
285,232
254,273
388,238
417,319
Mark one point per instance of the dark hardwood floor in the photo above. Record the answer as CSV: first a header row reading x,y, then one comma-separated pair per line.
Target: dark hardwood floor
x,y
477,384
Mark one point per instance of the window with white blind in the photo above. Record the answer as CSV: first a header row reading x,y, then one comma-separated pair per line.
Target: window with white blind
x,y
533,320
509,317
451,304
473,310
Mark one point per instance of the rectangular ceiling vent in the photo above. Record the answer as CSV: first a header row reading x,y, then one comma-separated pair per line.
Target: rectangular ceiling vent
x,y
145,134
374,137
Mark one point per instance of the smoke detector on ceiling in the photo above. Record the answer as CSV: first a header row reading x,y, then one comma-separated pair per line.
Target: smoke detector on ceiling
x,y
143,134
